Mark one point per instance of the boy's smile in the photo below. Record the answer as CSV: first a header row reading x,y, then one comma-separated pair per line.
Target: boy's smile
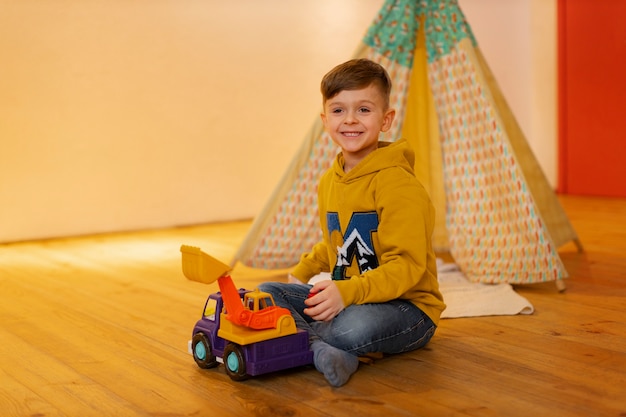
x,y
354,119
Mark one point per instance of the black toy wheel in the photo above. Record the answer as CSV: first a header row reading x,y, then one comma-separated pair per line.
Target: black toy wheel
x,y
202,352
234,362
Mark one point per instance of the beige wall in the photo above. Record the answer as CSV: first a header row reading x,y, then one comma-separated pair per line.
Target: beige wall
x,y
119,115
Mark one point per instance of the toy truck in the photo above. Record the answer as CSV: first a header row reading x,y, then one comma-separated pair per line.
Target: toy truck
x,y
242,329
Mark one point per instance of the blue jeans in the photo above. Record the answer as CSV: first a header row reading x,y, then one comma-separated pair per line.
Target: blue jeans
x,y
392,327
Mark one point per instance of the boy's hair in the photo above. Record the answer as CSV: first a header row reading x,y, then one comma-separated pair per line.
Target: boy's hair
x,y
354,75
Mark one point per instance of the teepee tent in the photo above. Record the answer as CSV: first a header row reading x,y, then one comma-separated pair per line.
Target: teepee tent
x,y
497,215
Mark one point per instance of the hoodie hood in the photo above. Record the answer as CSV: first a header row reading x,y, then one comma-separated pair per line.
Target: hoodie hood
x,y
388,154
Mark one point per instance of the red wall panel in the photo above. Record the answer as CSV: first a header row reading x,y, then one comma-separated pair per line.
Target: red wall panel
x,y
592,97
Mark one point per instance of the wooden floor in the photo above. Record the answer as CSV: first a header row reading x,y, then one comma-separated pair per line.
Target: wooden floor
x,y
98,326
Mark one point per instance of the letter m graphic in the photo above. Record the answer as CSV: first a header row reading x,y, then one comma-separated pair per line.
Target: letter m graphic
x,y
357,242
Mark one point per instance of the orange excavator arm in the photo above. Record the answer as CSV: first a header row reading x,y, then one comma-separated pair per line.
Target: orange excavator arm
x,y
235,311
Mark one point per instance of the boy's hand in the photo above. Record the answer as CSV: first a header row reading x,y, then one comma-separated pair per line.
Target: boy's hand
x,y
325,302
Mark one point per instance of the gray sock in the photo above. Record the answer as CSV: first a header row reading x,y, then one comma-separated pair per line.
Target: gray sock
x,y
336,365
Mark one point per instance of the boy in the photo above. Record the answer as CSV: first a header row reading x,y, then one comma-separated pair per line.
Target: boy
x,y
377,222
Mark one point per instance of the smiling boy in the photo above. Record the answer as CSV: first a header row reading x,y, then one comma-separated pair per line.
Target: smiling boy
x,y
377,221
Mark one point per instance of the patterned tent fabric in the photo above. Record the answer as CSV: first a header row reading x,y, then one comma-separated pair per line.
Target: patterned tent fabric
x,y
468,147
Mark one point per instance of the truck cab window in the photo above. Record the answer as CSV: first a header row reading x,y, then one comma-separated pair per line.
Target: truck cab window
x,y
265,302
209,309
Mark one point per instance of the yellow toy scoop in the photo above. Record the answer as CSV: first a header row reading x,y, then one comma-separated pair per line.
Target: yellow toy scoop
x,y
200,266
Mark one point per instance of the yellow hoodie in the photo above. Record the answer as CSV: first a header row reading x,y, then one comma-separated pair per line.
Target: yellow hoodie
x,y
377,221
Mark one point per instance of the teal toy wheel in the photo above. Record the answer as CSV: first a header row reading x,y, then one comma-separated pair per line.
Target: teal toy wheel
x,y
202,352
234,362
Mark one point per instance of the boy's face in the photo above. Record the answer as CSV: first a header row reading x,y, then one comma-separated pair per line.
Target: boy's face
x,y
354,119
